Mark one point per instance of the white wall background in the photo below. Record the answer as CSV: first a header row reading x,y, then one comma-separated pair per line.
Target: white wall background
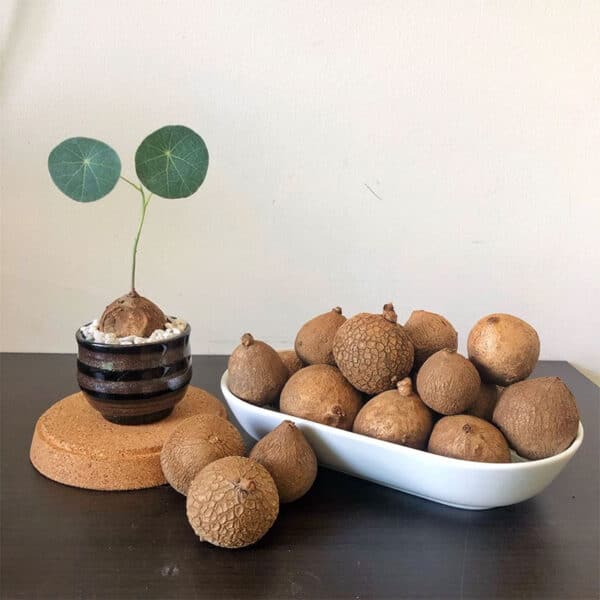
x,y
476,125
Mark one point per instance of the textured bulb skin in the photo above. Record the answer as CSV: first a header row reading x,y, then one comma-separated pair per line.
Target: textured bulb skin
x,y
504,348
468,438
256,372
484,404
429,333
314,341
320,393
232,502
373,352
291,360
398,416
195,443
539,417
290,460
448,383
132,314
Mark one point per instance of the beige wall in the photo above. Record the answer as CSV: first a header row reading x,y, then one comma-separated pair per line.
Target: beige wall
x,y
476,125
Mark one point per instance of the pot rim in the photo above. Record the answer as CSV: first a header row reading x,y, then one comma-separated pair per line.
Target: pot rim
x,y
125,347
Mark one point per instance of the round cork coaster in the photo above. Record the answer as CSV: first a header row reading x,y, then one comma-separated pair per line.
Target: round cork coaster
x,y
73,444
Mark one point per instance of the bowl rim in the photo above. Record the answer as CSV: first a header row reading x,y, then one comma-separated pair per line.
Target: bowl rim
x,y
522,464
125,347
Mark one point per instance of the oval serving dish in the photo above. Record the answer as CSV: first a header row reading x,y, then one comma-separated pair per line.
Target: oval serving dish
x,y
138,383
458,483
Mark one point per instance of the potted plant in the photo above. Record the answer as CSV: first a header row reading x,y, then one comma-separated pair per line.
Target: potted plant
x,y
134,362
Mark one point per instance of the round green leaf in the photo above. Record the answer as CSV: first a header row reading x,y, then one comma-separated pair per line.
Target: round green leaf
x,y
172,162
84,169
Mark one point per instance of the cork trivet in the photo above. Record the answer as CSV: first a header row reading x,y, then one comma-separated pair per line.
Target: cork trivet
x,y
73,444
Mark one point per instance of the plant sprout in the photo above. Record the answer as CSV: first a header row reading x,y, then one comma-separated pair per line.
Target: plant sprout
x,y
170,163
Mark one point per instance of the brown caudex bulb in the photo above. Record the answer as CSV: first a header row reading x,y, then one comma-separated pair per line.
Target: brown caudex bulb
x,y
468,438
232,502
197,442
504,348
448,383
484,404
314,342
373,352
429,333
291,360
132,314
397,416
539,417
290,460
256,371
320,393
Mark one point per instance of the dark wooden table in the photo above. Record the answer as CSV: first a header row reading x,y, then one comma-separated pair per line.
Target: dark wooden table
x,y
346,539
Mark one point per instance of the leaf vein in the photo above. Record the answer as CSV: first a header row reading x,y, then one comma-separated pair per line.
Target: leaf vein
x,y
185,137
83,180
149,159
194,167
73,176
183,182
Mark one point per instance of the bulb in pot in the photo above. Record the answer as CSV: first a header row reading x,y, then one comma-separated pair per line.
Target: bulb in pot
x,y
132,314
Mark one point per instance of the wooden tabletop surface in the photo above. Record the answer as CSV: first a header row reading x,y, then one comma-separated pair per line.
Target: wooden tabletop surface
x,y
346,539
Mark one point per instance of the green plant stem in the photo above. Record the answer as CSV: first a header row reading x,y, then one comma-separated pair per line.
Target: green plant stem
x,y
137,187
145,201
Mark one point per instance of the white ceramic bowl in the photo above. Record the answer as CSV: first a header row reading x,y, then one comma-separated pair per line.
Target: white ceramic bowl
x,y
458,483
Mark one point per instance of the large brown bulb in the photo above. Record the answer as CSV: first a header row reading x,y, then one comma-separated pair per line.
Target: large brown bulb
x,y
314,342
504,348
539,417
195,443
256,371
468,438
320,393
290,460
429,333
232,502
132,314
373,352
448,383
398,416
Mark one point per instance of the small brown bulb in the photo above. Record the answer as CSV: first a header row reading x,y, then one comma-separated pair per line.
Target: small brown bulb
x,y
484,404
468,438
320,393
398,416
373,352
539,417
448,383
132,314
195,443
256,372
314,342
290,460
429,333
291,360
504,348
232,502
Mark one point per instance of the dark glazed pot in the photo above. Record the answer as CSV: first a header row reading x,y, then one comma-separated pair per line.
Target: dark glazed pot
x,y
134,384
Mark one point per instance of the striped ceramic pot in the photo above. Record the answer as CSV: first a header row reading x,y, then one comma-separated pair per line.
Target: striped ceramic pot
x,y
134,384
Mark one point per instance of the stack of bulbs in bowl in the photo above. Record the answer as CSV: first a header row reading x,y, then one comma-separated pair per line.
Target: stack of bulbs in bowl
x,y
395,404
408,385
